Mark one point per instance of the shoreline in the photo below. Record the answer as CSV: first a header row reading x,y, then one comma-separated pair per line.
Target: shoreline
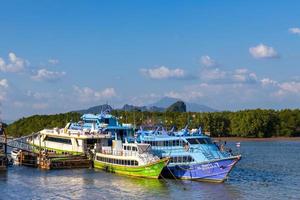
x,y
242,139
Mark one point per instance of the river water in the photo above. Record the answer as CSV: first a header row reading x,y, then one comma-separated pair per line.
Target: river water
x,y
268,170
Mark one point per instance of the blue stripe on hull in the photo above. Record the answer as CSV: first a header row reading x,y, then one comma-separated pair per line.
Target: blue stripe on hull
x,y
214,171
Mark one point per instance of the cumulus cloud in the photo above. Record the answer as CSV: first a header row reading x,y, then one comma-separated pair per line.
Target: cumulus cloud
x,y
263,51
3,89
207,61
46,75
244,76
3,83
287,88
295,30
14,64
53,61
216,75
164,73
87,94
268,82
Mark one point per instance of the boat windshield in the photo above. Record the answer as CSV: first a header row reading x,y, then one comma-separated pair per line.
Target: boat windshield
x,y
143,148
199,140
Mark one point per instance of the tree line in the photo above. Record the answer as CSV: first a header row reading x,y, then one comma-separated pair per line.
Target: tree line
x,y
245,123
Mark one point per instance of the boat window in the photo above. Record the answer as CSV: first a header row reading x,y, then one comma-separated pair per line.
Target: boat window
x,y
181,159
91,141
136,163
131,162
134,149
58,140
193,141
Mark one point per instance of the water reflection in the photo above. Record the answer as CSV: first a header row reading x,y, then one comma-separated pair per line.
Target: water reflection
x,y
267,170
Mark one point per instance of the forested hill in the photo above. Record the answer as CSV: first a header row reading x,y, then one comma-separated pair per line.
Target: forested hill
x,y
28,125
246,123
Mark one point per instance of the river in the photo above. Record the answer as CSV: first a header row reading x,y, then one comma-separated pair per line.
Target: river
x,y
268,170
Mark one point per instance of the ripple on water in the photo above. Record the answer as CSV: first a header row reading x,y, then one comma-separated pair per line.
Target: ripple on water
x,y
267,170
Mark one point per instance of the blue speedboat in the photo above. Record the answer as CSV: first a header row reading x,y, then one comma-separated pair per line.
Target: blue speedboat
x,y
192,155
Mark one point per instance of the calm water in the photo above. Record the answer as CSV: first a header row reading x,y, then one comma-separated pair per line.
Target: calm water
x,y
267,170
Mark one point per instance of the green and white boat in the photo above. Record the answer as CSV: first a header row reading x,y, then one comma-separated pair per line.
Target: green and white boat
x,y
130,159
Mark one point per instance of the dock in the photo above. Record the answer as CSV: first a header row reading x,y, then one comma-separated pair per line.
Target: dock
x,y
55,161
33,156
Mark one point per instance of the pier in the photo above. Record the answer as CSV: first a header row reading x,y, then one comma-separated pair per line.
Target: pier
x,y
34,156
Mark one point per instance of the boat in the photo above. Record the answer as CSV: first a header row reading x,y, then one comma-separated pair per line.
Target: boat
x,y
131,159
192,155
15,156
80,137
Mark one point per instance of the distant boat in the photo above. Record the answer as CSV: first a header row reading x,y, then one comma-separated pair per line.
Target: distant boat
x,y
130,159
192,155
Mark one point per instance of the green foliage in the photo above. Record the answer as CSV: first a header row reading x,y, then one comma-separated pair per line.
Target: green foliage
x,y
246,123
25,126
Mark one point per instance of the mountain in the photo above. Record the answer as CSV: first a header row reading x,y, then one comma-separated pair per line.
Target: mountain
x,y
165,102
159,106
128,107
178,106
95,109
192,107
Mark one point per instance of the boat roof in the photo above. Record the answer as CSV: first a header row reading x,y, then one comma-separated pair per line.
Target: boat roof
x,y
167,137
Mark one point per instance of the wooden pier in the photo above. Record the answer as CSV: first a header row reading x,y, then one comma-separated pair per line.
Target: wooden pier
x,y
55,161
3,154
33,156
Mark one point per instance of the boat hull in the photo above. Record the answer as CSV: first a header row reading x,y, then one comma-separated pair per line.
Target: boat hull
x,y
215,171
152,170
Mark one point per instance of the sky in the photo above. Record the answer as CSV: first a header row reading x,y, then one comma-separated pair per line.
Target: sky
x,y
57,56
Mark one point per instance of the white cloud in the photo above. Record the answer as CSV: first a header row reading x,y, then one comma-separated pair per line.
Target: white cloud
x,y
164,73
207,61
295,30
53,61
244,76
215,75
44,74
15,64
3,89
3,83
86,94
287,88
268,81
186,95
263,51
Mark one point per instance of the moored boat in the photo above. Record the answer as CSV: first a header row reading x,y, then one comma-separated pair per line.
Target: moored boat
x,y
192,155
80,137
15,156
130,159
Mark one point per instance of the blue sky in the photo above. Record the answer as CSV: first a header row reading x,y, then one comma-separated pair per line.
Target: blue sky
x,y
57,56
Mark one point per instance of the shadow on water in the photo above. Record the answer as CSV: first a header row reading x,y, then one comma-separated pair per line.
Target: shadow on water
x,y
3,176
